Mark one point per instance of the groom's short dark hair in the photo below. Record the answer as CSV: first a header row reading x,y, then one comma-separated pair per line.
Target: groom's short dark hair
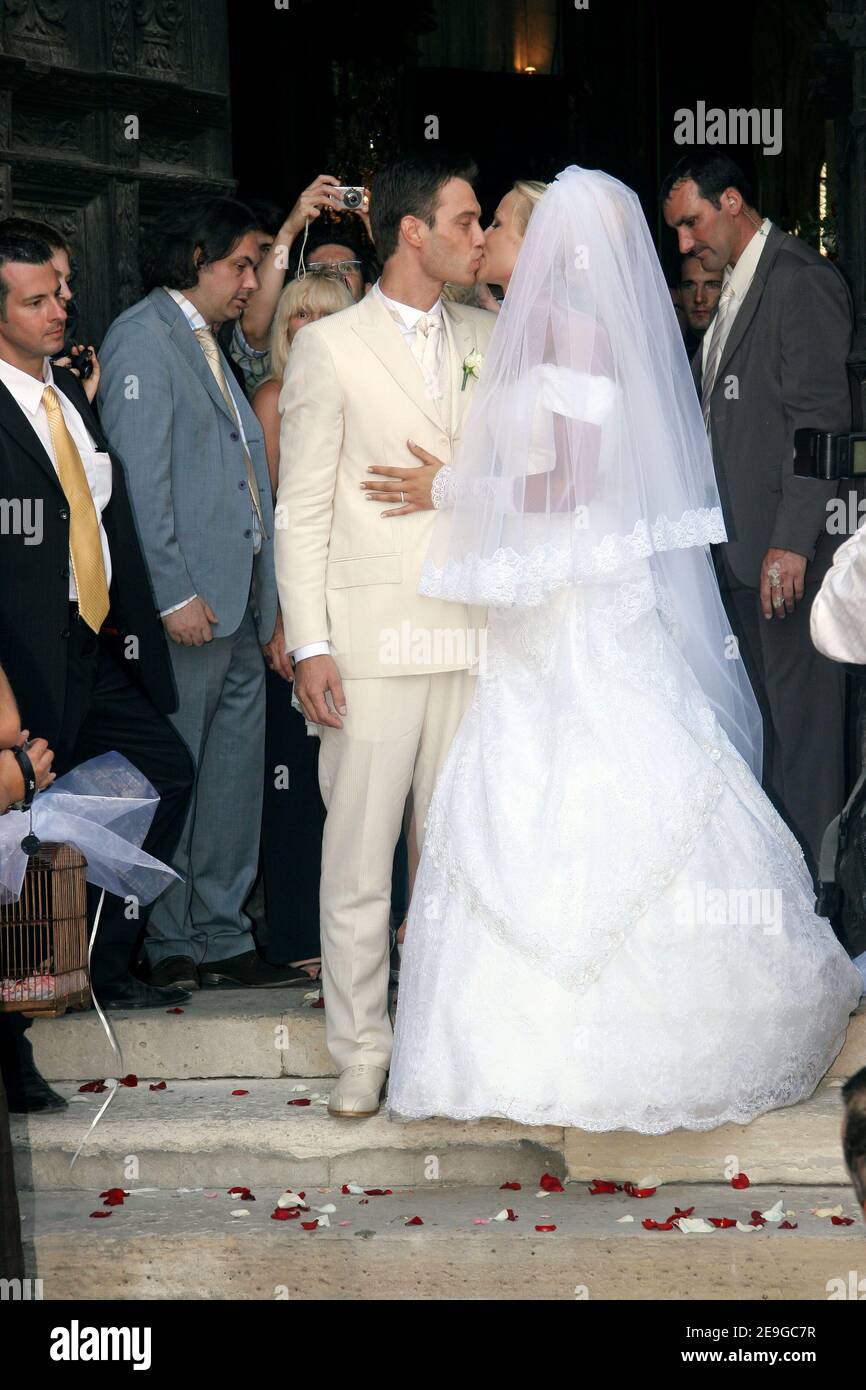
x,y
712,173
410,188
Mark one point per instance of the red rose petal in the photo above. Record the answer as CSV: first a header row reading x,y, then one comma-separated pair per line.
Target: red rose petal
x,y
677,1213
787,1226
174,1011
301,1100
511,1216
740,1181
242,1193
282,1214
100,1213
599,1187
310,1225
633,1191
510,1187
317,1004
723,1222
378,1191
842,1220
550,1184
158,1086
545,1228
130,1080
113,1197
364,1202
757,1219
650,1225
240,1093
93,1086
415,1221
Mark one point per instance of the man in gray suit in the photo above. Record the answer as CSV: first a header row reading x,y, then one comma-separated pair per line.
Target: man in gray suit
x,y
773,361
198,481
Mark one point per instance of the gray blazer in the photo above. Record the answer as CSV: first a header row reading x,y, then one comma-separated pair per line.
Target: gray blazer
x,y
165,416
787,349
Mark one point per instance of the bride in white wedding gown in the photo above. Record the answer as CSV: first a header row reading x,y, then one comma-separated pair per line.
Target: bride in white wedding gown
x,y
611,926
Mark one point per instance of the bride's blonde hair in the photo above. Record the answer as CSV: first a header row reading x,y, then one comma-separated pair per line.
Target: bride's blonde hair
x,y
529,192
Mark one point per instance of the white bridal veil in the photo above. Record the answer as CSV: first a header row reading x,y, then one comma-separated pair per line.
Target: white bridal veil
x,y
584,457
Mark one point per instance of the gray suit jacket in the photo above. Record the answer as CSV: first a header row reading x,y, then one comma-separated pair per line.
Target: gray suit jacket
x,y
165,416
787,349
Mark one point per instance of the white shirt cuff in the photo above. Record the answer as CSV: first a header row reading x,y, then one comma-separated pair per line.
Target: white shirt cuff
x,y
311,649
178,606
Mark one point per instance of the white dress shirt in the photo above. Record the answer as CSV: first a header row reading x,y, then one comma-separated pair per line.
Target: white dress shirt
x,y
406,317
27,391
739,277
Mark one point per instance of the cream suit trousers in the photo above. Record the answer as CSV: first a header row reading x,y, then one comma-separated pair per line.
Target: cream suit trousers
x,y
394,739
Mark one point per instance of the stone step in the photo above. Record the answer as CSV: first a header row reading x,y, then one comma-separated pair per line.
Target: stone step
x,y
242,1033
197,1134
221,1032
169,1245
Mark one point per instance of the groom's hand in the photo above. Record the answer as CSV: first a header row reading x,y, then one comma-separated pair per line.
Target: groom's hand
x,y
315,676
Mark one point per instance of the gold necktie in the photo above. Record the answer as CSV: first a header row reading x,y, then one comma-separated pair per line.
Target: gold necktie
x,y
85,546
212,353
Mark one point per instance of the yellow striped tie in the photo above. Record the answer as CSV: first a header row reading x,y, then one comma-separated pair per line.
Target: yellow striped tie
x,y
210,348
85,546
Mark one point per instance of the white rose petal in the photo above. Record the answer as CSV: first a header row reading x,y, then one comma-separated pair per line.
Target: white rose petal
x,y
621,1219
775,1213
694,1224
241,1211
328,1207
827,1211
742,1227
290,1199
501,1215
300,1088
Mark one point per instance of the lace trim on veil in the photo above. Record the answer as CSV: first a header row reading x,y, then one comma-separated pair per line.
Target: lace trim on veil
x,y
508,577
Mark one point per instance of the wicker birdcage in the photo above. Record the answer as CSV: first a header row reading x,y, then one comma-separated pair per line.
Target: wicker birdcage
x,y
43,936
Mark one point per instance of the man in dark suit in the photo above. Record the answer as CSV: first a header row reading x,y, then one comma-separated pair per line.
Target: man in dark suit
x,y
773,362
80,637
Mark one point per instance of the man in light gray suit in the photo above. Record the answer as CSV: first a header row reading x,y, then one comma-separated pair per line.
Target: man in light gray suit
x,y
772,362
198,481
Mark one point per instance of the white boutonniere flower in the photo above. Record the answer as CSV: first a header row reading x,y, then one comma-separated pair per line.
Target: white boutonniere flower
x,y
471,366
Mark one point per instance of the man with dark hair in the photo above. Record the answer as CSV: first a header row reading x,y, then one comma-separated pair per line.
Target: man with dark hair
x,y
61,259
360,385
79,636
326,249
773,362
698,298
198,479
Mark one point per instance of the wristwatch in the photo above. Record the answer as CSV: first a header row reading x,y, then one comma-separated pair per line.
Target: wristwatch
x,y
24,763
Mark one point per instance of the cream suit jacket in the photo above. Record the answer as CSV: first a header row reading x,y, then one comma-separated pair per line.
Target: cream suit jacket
x,y
352,396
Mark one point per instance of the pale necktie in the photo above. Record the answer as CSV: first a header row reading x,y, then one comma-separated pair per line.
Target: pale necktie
x,y
714,354
427,350
85,545
211,352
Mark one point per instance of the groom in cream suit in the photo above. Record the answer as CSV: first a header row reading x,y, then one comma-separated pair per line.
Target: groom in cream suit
x,y
383,671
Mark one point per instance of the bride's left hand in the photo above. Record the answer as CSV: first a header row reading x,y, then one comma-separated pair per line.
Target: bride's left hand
x,y
414,483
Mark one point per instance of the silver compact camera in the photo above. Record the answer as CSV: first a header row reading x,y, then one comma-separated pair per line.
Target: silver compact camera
x,y
348,196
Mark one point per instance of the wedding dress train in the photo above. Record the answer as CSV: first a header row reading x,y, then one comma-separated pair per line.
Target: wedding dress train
x,y
611,928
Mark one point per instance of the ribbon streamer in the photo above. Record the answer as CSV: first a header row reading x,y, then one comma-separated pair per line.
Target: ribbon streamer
x,y
104,808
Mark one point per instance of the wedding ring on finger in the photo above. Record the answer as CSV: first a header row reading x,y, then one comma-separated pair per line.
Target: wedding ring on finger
x,y
402,499
774,574
778,600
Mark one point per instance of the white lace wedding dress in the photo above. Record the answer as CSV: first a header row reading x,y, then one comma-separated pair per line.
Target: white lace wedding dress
x,y
611,926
